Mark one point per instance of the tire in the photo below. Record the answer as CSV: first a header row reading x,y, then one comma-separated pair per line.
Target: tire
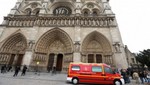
x,y
75,81
117,82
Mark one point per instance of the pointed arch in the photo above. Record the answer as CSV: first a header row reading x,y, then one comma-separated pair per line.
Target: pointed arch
x,y
85,12
11,42
36,11
30,7
96,42
54,38
28,11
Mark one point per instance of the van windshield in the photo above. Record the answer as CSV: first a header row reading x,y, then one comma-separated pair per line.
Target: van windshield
x,y
96,68
108,70
75,68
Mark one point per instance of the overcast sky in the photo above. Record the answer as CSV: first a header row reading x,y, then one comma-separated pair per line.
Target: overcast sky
x,y
133,17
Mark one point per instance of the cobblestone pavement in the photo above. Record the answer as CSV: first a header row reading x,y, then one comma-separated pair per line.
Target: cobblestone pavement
x,y
37,79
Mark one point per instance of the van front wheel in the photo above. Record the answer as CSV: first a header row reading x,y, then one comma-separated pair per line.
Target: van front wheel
x,y
75,81
117,82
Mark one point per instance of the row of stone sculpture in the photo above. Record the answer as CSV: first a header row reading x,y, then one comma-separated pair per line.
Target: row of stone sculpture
x,y
89,22
4,58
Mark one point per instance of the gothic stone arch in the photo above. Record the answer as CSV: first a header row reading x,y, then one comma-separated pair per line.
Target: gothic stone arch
x,y
13,49
55,42
96,49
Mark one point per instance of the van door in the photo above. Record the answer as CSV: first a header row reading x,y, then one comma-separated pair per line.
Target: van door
x,y
85,74
97,76
109,76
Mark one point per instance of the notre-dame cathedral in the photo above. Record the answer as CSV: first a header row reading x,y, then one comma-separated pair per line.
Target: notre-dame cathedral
x,y
52,33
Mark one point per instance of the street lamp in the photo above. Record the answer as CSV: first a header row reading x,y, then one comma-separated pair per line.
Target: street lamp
x,y
37,71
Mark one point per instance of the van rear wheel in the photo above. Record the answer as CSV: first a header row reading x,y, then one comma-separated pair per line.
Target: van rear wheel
x,y
117,82
75,81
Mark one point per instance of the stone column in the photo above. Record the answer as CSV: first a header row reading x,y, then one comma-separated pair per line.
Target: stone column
x,y
95,58
78,6
27,58
55,60
76,57
76,54
15,59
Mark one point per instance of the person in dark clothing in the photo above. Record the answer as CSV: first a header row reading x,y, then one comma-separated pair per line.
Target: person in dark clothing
x,y
124,74
16,71
48,69
54,70
24,70
3,69
141,75
127,76
9,68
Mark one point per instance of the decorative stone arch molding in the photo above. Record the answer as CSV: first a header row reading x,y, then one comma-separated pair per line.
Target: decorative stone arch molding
x,y
95,12
53,37
10,42
33,6
97,44
85,12
92,7
13,46
65,3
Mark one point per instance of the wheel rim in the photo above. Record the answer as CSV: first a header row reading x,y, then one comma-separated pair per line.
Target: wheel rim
x,y
117,83
75,81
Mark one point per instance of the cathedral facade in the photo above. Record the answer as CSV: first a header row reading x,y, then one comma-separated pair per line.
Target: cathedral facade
x,y
53,33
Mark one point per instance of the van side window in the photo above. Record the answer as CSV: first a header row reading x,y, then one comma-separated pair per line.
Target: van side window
x,y
96,68
75,68
108,70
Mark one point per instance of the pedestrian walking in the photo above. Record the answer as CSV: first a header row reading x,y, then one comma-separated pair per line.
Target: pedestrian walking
x,y
127,76
136,77
54,70
148,77
3,69
145,76
9,67
48,69
124,74
141,75
16,71
24,70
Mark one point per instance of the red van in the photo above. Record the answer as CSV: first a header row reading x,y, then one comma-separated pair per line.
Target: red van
x,y
93,73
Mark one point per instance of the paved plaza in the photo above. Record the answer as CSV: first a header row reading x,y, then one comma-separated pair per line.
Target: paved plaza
x,y
37,79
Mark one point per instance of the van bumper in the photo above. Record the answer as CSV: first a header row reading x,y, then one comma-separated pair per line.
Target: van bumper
x,y
69,79
122,80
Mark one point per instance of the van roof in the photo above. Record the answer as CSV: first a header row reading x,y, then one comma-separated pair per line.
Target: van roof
x,y
80,63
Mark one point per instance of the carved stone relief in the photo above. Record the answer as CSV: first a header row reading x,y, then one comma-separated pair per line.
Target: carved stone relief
x,y
94,46
57,46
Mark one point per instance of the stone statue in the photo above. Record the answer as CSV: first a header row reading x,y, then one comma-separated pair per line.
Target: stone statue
x,y
77,46
117,46
31,43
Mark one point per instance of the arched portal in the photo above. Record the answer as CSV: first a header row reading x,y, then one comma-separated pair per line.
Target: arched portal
x,y
13,50
57,46
96,49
